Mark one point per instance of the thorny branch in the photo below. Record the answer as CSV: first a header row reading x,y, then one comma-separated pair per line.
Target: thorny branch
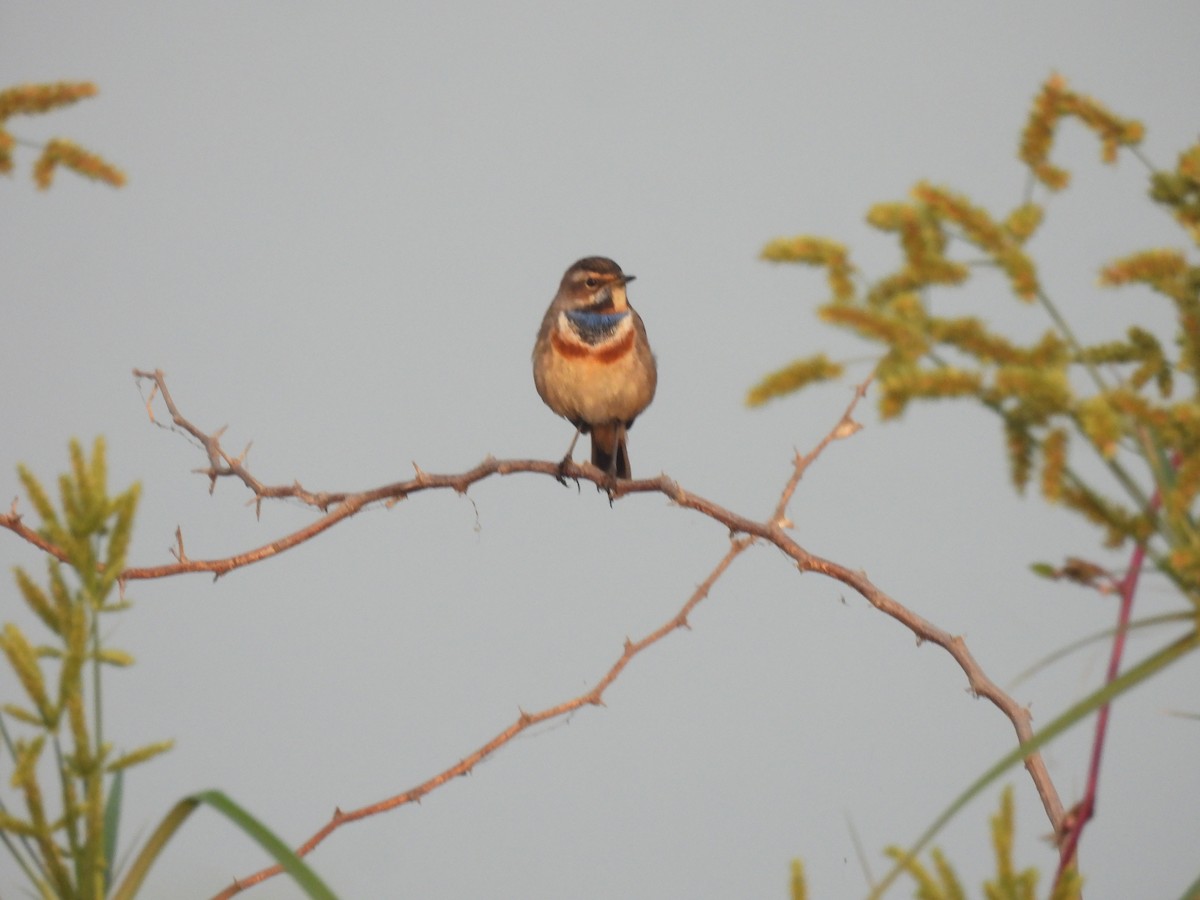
x,y
336,506
526,720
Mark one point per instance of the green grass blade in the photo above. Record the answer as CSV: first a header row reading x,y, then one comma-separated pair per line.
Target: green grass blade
x,y
1089,704
1094,638
299,870
112,820
1193,892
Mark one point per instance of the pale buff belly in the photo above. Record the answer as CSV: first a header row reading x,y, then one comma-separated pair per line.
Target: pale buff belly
x,y
583,389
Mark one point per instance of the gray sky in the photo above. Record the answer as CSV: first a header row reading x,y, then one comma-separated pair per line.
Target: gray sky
x,y
341,229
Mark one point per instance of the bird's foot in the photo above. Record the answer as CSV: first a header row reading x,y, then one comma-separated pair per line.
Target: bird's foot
x,y
563,465
609,486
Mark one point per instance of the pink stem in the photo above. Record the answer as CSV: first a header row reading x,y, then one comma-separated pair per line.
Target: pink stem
x,y
1087,807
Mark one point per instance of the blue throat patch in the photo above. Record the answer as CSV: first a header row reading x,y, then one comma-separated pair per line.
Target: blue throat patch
x,y
594,328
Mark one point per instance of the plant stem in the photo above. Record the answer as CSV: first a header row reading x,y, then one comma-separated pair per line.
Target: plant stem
x,y
1087,806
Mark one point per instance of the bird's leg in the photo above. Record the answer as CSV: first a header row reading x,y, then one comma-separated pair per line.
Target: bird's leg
x,y
611,485
562,466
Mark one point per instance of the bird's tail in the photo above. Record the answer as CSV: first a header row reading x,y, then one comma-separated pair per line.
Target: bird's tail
x,y
609,453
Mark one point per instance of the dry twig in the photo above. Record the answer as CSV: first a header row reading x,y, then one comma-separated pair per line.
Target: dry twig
x,y
336,506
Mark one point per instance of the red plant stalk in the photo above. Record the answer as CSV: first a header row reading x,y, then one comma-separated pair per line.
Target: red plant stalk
x,y
1087,806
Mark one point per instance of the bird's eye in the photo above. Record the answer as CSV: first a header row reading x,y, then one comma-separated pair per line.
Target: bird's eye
x,y
591,282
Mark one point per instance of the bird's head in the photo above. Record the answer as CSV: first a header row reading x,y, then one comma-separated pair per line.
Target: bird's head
x,y
595,285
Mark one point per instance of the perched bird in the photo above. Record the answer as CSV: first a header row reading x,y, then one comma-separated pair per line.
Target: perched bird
x,y
592,363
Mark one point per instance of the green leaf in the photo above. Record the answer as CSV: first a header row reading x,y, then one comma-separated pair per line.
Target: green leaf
x,y
112,821
1076,713
1193,892
299,870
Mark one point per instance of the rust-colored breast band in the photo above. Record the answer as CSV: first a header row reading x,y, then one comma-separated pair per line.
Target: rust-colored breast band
x,y
604,354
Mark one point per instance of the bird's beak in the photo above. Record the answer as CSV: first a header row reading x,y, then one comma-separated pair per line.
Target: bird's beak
x,y
625,279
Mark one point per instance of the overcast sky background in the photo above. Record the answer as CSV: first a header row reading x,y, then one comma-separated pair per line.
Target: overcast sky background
x,y
340,232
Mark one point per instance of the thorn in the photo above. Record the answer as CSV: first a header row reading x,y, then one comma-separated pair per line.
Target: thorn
x,y
150,402
846,428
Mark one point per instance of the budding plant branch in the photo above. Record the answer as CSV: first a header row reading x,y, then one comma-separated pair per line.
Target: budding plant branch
x,y
744,531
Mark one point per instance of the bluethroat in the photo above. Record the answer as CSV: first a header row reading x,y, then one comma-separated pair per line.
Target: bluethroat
x,y
592,363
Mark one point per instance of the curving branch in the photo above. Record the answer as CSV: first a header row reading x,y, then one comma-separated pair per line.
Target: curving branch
x,y
526,720
336,506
